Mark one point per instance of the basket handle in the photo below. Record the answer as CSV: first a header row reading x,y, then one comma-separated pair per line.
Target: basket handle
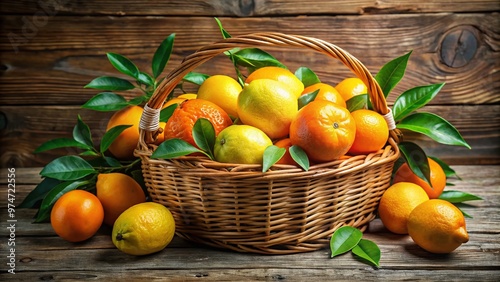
x,y
149,124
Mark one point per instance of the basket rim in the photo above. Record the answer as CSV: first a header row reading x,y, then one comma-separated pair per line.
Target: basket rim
x,y
149,124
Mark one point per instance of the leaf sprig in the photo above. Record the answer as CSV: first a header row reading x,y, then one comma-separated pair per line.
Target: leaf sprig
x,y
79,171
348,238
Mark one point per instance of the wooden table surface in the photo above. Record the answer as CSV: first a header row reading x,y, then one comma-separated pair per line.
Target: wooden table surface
x,y
41,255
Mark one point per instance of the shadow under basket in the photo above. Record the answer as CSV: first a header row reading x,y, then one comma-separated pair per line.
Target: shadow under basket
x,y
282,211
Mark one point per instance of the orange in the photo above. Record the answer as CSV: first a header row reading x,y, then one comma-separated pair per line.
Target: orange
x,y
280,74
161,136
438,178
326,92
287,158
397,203
223,91
76,216
181,123
437,226
124,145
324,130
117,192
268,105
350,87
372,132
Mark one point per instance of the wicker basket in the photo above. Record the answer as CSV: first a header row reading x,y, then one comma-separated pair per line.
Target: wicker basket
x,y
285,210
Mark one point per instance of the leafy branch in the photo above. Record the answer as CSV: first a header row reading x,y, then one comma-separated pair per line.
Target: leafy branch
x,y
80,171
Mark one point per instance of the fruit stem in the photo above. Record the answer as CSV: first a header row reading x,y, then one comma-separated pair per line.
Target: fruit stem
x,y
119,237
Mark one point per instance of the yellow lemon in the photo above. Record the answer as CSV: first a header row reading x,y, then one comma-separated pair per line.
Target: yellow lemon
x,y
143,229
241,144
188,96
279,74
268,105
221,90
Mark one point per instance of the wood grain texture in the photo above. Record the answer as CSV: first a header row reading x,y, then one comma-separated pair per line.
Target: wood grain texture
x,y
41,255
46,61
59,66
244,8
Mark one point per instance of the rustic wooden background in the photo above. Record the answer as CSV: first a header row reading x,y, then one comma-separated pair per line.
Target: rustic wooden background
x,y
50,49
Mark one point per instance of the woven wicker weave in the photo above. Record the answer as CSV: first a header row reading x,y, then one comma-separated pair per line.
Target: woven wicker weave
x,y
285,210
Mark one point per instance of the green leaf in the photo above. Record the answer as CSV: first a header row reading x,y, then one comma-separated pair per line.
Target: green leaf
x,y
167,112
109,137
52,197
195,77
433,126
106,102
299,156
367,251
145,79
162,55
174,148
272,154
414,99
89,153
344,239
67,168
307,98
123,65
110,83
112,162
416,159
204,136
464,213
449,172
307,76
392,73
225,34
254,58
60,143
454,196
357,102
35,197
82,134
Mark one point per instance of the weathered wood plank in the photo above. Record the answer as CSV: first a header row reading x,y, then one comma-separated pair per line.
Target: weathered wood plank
x,y
40,254
243,8
410,256
264,274
59,66
27,127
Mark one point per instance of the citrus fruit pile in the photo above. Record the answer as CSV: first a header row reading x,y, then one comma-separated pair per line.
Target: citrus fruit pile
x,y
139,227
266,110
266,116
411,206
